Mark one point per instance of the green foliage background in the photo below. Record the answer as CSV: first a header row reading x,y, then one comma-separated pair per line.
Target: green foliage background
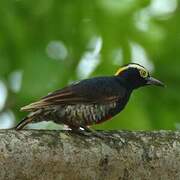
x,y
27,27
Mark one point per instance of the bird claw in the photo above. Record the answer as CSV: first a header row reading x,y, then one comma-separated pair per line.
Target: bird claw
x,y
94,132
80,132
87,132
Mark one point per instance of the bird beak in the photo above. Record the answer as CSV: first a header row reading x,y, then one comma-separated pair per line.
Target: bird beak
x,y
153,81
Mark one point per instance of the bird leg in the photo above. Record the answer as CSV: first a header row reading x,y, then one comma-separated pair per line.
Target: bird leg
x,y
86,132
99,135
78,131
94,132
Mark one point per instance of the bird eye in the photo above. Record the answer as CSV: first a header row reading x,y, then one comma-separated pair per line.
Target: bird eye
x,y
143,73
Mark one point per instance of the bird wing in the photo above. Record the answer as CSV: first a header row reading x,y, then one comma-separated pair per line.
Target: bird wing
x,y
90,91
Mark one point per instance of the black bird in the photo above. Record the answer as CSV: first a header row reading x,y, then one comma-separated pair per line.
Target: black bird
x,y
89,101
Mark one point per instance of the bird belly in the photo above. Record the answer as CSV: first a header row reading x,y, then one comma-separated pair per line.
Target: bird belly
x,y
83,114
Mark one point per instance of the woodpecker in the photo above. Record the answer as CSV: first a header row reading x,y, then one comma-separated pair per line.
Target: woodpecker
x,y
90,101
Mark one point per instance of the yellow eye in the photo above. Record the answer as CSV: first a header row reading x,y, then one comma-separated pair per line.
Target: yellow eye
x,y
143,73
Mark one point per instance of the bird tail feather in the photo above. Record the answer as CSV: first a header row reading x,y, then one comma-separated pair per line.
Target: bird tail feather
x,y
24,122
28,119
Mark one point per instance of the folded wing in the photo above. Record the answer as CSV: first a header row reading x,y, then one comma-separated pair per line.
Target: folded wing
x,y
90,91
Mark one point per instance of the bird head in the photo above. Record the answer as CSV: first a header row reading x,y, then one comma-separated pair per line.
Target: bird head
x,y
136,76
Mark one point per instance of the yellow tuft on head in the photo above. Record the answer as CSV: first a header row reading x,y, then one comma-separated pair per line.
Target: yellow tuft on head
x,y
143,71
121,70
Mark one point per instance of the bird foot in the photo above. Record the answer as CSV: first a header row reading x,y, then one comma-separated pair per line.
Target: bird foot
x,y
102,136
93,132
87,132
80,132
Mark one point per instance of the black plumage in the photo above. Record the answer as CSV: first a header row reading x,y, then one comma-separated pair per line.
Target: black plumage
x,y
89,101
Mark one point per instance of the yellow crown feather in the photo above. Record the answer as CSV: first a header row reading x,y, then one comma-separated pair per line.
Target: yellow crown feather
x,y
120,70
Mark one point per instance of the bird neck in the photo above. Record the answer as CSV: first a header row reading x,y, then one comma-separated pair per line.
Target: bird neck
x,y
130,85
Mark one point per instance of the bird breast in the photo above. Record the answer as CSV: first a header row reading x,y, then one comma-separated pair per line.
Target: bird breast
x,y
84,114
